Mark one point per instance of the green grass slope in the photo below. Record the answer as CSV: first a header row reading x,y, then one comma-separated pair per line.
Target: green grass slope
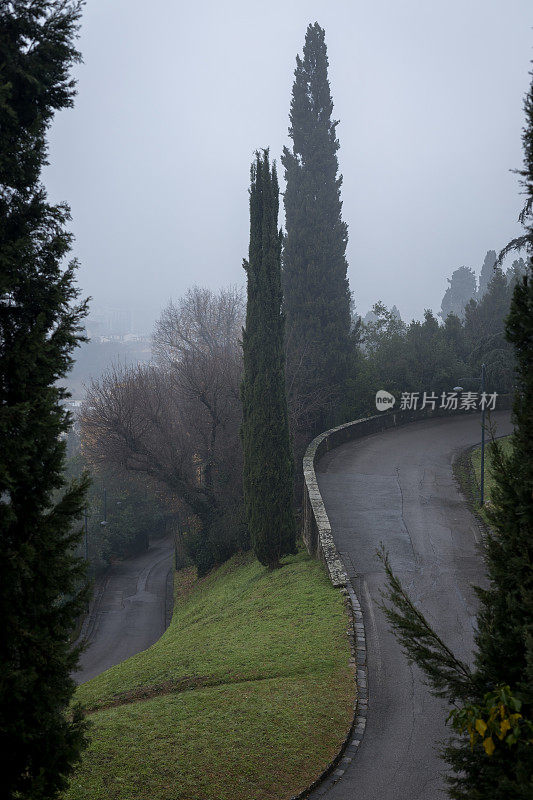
x,y
247,696
475,456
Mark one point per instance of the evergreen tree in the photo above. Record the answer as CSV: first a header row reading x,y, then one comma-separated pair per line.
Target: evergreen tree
x,y
396,313
495,759
514,273
487,273
454,335
462,288
268,465
315,285
505,636
484,327
41,736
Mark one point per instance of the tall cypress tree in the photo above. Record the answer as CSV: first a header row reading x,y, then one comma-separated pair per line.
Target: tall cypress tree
x,y
268,465
315,284
505,637
41,736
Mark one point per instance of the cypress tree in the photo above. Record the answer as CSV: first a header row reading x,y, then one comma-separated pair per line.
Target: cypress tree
x,y
487,273
494,756
315,285
268,465
40,600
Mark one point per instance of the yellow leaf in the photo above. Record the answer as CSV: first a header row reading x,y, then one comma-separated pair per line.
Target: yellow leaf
x,y
489,746
505,726
481,726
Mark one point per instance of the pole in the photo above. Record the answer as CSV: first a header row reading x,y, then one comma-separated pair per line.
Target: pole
x,y
105,506
482,434
86,537
85,519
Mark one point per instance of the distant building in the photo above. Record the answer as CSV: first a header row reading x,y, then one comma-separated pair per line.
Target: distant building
x,y
109,324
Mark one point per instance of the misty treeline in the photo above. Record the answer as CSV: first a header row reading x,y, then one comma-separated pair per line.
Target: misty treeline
x,y
464,287
435,356
174,424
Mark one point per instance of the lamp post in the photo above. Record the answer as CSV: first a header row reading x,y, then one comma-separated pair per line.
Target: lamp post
x,y
85,518
104,521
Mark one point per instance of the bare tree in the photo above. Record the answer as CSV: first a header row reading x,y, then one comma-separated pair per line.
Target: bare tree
x,y
177,421
196,341
200,322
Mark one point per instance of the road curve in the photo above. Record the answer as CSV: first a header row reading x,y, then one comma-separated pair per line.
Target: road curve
x,y
129,612
397,487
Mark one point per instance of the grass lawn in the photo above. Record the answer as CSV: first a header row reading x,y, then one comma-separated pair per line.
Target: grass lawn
x,y
475,457
247,696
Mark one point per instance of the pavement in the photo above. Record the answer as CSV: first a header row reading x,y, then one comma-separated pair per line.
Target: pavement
x,y
398,488
130,609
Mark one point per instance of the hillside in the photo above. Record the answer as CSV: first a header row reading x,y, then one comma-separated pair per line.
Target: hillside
x,y
248,694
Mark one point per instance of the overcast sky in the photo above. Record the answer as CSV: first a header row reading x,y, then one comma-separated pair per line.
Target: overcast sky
x,y
174,98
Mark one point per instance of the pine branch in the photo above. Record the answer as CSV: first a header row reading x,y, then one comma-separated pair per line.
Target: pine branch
x,y
448,676
518,244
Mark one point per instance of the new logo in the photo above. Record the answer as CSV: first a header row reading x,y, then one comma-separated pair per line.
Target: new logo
x,y
384,400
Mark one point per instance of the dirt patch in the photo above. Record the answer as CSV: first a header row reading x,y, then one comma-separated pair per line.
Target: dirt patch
x,y
147,692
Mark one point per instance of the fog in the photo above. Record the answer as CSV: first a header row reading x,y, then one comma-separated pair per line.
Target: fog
x,y
174,98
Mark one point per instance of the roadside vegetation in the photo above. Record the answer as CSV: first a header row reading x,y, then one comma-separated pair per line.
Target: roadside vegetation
x,y
249,693
467,470
475,459
121,515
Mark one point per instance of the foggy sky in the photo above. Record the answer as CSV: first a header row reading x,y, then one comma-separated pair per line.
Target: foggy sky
x,y
174,98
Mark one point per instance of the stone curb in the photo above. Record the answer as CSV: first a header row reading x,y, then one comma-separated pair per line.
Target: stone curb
x,y
356,631
356,634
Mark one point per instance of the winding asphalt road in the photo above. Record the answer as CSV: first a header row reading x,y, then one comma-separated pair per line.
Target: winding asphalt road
x,y
398,487
130,610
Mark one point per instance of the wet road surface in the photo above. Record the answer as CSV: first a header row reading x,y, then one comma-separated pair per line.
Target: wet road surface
x,y
398,488
130,610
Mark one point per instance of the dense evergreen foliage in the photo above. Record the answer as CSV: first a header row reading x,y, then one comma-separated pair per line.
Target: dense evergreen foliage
x,y
268,466
495,698
315,286
426,356
39,329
